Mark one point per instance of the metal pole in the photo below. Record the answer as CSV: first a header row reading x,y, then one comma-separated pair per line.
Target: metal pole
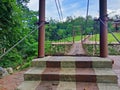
x,y
103,29
41,32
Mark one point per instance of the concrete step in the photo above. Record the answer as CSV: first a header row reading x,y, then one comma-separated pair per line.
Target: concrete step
x,y
53,85
101,75
72,62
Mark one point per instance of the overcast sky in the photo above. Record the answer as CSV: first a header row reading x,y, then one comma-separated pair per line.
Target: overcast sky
x,y
75,7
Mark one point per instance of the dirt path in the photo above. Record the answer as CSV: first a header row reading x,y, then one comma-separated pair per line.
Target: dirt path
x,y
10,82
77,49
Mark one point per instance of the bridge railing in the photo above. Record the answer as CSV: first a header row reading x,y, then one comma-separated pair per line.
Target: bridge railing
x,y
92,46
60,47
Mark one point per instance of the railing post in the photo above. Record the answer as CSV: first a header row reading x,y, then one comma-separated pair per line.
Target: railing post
x,y
103,28
41,32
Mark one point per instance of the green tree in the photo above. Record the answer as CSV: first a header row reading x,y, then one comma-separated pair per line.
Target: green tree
x,y
16,21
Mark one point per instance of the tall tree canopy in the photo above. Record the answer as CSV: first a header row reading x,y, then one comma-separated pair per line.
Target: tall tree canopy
x,y
16,21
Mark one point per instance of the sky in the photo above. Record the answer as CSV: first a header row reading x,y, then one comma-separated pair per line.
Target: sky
x,y
75,8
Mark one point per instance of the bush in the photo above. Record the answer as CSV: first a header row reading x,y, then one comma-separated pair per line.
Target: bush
x,y
12,59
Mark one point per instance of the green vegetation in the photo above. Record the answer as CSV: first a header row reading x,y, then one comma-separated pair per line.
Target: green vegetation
x,y
56,49
93,50
70,39
16,21
110,37
114,49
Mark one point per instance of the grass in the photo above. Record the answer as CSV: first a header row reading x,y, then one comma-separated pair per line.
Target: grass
x,y
110,37
70,39
96,36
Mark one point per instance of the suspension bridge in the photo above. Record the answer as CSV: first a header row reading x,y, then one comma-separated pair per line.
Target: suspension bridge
x,y
70,72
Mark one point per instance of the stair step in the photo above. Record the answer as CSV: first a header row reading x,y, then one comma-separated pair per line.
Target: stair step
x,y
70,73
72,62
100,75
28,85
53,85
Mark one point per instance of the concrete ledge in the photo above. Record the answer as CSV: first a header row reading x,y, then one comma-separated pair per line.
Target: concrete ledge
x,y
101,75
105,75
98,62
72,62
61,85
110,86
34,74
28,85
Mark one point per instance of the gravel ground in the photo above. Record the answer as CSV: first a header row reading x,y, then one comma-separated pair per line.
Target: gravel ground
x,y
10,82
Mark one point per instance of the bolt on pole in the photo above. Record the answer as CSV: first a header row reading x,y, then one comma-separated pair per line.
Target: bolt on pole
x,y
103,28
41,32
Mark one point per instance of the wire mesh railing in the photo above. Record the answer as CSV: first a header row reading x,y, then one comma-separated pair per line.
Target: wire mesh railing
x,y
92,47
58,47
110,31
62,43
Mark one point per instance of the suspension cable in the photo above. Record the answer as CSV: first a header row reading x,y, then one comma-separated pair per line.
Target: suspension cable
x,y
58,10
87,12
110,31
20,41
88,3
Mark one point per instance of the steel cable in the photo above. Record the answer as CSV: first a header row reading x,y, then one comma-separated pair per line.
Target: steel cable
x,y
109,30
20,41
58,10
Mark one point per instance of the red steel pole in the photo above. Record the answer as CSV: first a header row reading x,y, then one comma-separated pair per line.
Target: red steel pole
x,y
41,32
103,28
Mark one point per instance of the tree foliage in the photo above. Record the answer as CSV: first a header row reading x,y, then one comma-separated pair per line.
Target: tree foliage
x,y
60,30
16,21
